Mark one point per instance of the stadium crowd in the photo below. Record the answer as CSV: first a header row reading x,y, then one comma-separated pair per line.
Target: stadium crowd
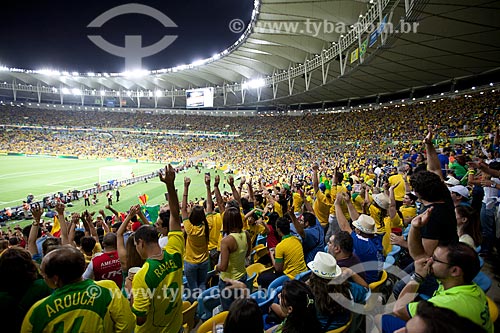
x,y
310,220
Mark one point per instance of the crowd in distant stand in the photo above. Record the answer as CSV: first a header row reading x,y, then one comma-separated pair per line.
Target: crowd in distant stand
x,y
332,211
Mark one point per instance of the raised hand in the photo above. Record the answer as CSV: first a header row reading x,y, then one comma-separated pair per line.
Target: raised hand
x,y
75,217
230,181
430,134
169,175
36,211
60,208
216,180
187,181
421,220
207,179
391,189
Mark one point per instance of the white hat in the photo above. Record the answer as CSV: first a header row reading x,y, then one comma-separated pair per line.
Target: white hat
x,y
460,189
325,266
365,224
452,181
382,200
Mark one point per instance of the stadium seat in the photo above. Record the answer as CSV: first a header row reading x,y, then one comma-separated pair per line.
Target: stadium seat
x,y
278,282
492,306
256,268
208,326
207,301
188,315
375,286
304,276
251,279
343,328
483,281
261,240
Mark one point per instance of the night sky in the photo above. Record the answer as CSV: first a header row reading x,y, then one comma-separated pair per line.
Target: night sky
x,y
53,34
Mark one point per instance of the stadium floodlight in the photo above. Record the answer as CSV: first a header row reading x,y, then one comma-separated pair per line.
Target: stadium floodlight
x,y
135,73
103,92
54,90
129,93
150,93
65,91
198,62
75,73
254,84
76,91
48,72
158,93
90,74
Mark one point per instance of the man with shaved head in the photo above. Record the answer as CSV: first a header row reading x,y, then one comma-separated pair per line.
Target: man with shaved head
x,y
106,265
100,303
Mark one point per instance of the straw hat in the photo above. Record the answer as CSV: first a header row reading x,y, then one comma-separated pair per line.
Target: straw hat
x,y
325,266
365,224
382,200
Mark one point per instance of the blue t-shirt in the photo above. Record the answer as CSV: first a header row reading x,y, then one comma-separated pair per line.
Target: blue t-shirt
x,y
444,160
369,250
314,241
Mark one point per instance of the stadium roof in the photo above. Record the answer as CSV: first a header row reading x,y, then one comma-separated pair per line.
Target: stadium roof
x,y
302,52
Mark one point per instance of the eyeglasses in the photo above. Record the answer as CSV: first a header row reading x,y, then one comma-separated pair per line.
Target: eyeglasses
x,y
440,261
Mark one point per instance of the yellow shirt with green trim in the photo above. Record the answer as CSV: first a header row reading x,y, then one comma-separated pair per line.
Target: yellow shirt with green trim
x,y
254,230
408,211
400,190
298,201
85,306
321,207
467,301
278,209
196,243
157,289
215,225
358,201
289,252
375,213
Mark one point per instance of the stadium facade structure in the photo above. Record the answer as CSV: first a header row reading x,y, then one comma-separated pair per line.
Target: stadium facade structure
x,y
275,63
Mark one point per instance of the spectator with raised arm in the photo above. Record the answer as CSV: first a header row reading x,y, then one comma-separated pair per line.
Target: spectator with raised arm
x,y
161,272
454,266
197,230
215,225
367,245
235,247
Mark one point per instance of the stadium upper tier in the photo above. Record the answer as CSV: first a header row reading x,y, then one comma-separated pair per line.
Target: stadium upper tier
x,y
461,115
305,51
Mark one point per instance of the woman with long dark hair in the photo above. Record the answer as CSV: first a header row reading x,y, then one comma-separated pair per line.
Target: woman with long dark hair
x,y
234,248
298,304
20,287
196,259
468,225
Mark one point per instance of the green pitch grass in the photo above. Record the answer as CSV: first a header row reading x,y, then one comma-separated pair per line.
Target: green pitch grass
x,y
20,176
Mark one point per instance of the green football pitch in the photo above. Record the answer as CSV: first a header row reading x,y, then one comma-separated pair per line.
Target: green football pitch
x,y
42,177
